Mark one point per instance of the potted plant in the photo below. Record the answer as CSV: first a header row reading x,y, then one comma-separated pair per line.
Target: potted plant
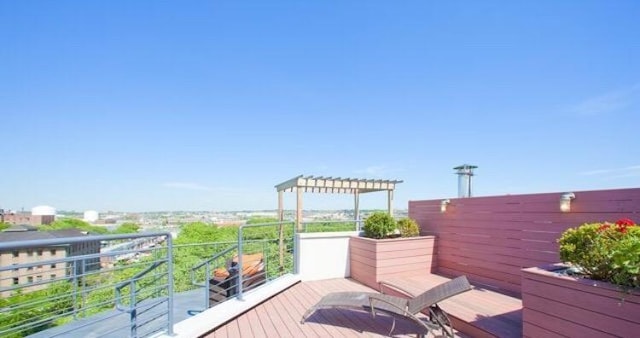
x,y
596,291
408,227
389,248
380,225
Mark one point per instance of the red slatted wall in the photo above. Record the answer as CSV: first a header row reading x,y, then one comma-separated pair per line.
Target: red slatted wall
x,y
490,239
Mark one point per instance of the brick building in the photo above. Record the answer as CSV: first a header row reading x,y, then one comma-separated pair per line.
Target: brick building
x,y
38,264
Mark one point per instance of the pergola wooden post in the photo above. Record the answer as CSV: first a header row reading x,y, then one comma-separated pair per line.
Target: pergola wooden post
x,y
355,186
281,227
356,205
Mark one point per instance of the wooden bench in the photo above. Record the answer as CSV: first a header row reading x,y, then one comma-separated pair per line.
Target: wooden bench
x,y
478,313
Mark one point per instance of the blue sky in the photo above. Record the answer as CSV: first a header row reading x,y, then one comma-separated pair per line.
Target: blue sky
x,y
206,105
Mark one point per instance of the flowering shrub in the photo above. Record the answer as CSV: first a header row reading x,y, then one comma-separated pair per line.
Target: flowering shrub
x,y
605,251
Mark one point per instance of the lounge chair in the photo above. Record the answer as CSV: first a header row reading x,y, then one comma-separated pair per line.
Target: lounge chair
x,y
399,306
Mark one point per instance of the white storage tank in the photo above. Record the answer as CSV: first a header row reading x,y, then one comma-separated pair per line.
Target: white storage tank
x,y
90,216
43,210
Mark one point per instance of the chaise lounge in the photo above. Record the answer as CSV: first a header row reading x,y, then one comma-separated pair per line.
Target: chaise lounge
x,y
398,306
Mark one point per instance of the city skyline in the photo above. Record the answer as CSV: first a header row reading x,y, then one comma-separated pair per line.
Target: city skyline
x,y
152,106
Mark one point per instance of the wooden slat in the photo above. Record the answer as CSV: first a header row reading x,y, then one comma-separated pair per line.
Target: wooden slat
x,y
391,258
582,284
600,300
491,283
267,326
533,331
563,327
594,319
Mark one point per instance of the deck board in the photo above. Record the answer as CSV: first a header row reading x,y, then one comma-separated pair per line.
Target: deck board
x,y
280,316
267,324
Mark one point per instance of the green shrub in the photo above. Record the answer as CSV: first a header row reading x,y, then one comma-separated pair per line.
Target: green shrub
x,y
605,251
408,227
379,225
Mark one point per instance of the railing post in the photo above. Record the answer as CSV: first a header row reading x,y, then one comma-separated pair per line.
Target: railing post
x,y
133,314
207,288
170,282
83,281
295,250
75,288
265,257
239,284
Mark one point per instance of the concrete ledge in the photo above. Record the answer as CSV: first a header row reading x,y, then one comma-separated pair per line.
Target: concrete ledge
x,y
220,314
335,234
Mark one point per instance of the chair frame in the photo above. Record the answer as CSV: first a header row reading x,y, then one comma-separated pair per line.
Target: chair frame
x,y
399,306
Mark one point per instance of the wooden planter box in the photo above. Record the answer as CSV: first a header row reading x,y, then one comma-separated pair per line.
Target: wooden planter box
x,y
373,260
557,305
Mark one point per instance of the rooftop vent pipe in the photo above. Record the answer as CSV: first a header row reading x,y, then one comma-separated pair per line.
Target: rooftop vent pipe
x,y
465,174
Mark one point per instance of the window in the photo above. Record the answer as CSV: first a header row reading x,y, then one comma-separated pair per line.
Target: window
x,y
39,278
39,252
39,267
30,268
29,253
53,266
53,276
30,279
16,281
16,253
53,252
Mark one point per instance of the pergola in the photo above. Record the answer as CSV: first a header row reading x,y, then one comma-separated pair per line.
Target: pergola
x,y
330,185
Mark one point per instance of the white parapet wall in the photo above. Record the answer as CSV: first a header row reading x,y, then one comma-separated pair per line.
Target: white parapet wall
x,y
323,255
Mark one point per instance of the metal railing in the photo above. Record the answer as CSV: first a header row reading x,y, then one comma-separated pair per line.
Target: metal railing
x,y
142,301
123,285
81,282
207,264
283,245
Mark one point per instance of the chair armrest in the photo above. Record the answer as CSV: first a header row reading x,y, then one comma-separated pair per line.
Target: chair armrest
x,y
386,284
395,308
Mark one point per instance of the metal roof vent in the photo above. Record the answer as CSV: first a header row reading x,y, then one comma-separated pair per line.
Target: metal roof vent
x,y
465,176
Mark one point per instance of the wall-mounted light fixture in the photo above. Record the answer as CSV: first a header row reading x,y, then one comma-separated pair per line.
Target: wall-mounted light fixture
x,y
443,205
565,201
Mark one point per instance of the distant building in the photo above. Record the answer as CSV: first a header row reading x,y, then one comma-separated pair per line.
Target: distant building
x,y
39,215
34,273
28,218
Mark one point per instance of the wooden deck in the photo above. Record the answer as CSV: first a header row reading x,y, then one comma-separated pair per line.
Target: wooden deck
x,y
280,316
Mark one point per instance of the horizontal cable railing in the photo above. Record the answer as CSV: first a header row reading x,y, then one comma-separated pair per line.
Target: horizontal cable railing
x,y
146,293
197,274
66,286
123,285
279,252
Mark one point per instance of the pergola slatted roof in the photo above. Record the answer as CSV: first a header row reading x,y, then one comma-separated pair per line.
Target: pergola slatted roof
x,y
334,185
